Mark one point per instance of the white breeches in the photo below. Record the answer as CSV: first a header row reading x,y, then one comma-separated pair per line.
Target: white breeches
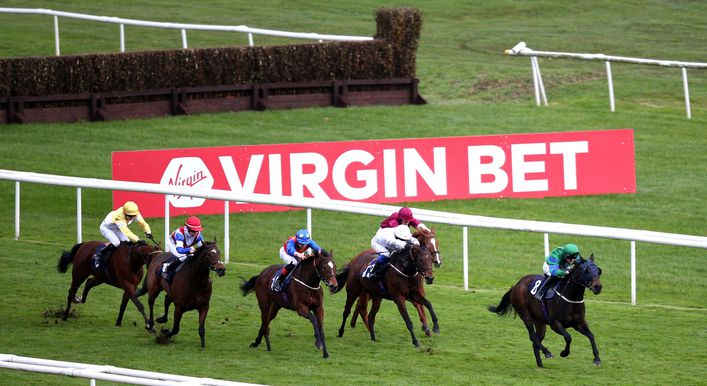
x,y
287,258
113,234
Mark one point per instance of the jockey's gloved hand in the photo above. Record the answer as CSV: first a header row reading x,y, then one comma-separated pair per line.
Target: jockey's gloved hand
x,y
149,236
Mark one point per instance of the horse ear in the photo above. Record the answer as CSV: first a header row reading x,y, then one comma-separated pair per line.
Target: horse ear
x,y
591,257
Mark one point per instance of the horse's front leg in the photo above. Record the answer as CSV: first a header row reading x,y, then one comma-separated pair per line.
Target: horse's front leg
x,y
71,298
400,302
423,318
123,305
435,321
558,328
132,295
167,303
202,318
175,325
316,317
583,329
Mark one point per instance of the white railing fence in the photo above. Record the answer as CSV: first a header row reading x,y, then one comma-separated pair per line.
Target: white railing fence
x,y
105,373
463,220
180,26
521,49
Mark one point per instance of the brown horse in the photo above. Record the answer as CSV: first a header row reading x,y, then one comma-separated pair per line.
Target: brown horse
x,y
429,240
303,295
399,283
124,267
190,288
564,310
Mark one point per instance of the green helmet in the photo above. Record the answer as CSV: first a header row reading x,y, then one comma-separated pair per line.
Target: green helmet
x,y
571,250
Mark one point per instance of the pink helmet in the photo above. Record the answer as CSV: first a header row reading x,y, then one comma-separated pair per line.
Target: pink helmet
x,y
193,223
405,214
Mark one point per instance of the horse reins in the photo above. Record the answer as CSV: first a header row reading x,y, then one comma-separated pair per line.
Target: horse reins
x,y
319,283
565,287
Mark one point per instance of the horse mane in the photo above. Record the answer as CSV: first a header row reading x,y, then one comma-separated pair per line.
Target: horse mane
x,y
424,233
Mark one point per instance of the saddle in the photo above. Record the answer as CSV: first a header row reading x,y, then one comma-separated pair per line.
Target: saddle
x,y
550,292
285,283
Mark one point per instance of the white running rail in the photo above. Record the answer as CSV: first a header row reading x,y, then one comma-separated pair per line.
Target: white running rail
x,y
180,26
105,373
521,49
462,220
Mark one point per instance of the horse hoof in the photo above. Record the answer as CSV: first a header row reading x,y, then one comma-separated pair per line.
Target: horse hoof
x,y
549,355
150,329
253,345
161,320
436,330
564,354
77,300
326,355
166,332
597,362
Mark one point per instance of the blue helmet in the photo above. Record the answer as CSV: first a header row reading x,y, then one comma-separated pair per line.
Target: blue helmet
x,y
303,237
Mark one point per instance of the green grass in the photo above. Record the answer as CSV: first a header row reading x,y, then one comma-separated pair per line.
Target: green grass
x,y
472,89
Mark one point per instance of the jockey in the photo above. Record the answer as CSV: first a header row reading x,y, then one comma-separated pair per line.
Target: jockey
x,y
558,264
182,243
402,217
385,242
297,248
115,228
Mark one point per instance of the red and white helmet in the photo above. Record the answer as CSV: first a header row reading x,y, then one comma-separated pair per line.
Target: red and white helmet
x,y
193,223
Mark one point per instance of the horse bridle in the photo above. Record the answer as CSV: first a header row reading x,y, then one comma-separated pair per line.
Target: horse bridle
x,y
318,269
571,278
412,259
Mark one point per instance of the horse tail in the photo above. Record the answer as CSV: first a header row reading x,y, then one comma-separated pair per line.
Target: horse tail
x,y
341,278
248,285
503,308
67,258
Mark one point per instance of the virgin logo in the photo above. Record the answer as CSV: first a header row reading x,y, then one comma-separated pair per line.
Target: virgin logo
x,y
189,172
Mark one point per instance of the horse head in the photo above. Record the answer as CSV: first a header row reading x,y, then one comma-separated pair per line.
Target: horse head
x,y
587,274
326,269
429,241
423,262
212,255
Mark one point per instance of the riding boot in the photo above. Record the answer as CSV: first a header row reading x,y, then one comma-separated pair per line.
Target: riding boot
x,y
378,270
541,289
98,260
169,267
277,284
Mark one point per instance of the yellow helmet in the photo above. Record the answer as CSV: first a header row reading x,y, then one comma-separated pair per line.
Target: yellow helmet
x,y
130,208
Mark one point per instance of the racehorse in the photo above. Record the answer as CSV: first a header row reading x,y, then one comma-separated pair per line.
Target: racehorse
x,y
303,295
190,288
429,240
400,282
564,310
124,266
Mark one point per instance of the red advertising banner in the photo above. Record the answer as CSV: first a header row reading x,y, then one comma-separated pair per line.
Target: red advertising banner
x,y
387,171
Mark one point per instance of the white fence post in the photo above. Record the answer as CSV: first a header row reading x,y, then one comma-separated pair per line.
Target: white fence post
x,y
226,232
546,240
309,221
166,221
633,272
56,36
17,210
122,37
687,93
610,80
184,38
465,257
79,222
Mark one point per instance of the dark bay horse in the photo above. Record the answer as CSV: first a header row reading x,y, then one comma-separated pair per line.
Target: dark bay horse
x,y
124,266
190,288
564,310
427,239
303,295
399,283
